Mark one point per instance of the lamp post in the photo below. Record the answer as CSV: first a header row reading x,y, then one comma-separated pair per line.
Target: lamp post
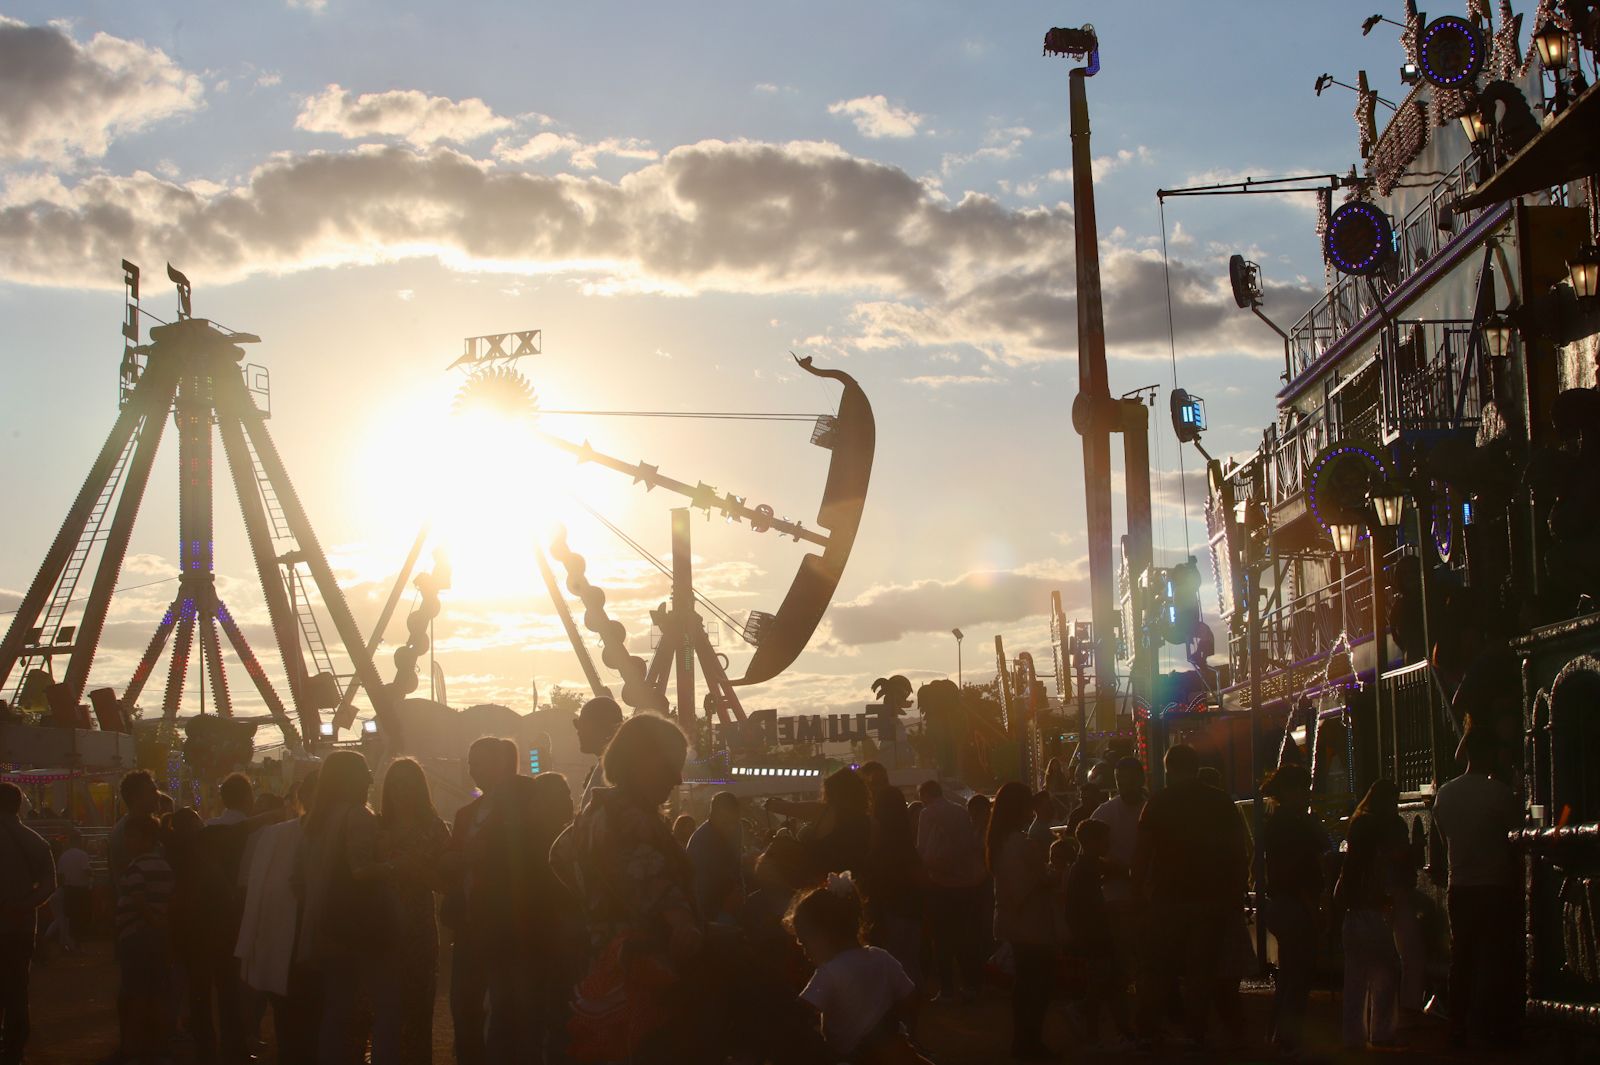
x,y
957,634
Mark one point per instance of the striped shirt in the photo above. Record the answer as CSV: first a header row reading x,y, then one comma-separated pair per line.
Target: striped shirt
x,y
144,892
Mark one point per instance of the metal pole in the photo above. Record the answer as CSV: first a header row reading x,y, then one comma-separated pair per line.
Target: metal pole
x,y
559,602
959,681
1427,636
1380,655
683,617
1090,413
387,613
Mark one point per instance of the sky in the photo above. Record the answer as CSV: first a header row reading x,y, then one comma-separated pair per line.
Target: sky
x,y
678,196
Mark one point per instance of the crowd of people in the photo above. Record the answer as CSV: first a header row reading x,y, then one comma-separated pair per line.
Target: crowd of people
x,y
596,930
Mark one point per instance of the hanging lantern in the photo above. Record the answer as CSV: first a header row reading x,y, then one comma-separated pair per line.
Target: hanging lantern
x,y
1387,505
1346,534
1551,41
1497,333
1476,129
1583,271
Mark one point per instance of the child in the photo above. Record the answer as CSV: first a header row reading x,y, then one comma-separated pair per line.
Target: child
x,y
862,992
1089,937
143,952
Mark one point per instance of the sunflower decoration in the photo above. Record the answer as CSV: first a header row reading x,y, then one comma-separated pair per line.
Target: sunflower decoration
x,y
499,390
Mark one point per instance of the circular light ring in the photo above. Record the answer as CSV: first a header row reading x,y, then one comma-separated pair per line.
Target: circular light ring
x,y
1359,238
1451,51
1328,454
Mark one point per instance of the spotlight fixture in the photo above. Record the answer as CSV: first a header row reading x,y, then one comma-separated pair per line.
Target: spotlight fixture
x,y
1583,272
1245,277
325,730
1497,333
370,726
1323,81
1410,73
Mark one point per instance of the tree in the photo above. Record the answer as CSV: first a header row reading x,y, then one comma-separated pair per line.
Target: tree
x,y
566,700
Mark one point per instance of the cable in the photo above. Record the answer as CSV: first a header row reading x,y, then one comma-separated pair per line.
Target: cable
x,y
732,416
721,614
1172,347
114,591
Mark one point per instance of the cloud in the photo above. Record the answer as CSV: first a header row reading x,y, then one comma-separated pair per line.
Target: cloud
x,y
949,380
61,99
739,216
548,144
411,115
876,117
889,612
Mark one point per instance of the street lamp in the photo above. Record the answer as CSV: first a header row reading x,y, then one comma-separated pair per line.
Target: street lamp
x,y
1476,129
957,634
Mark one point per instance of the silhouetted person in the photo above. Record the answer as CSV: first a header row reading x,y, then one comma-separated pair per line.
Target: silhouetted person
x,y
716,853
345,927
1023,916
27,880
637,892
951,848
1090,937
863,994
140,797
267,930
596,723
144,954
682,829
1475,813
76,874
891,879
840,837
491,769
1190,866
1361,896
1120,813
1294,845
411,841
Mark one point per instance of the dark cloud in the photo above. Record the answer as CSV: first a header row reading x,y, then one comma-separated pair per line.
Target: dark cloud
x,y
60,98
892,611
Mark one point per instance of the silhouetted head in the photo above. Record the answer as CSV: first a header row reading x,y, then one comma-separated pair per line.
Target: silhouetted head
x,y
845,792
139,792
491,763
1013,806
1289,786
344,782
930,790
237,794
1094,837
874,774
1130,778
682,829
10,799
725,812
1182,763
406,797
596,723
644,760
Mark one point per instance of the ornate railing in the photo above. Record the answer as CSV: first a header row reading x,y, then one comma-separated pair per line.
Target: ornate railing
x,y
1424,231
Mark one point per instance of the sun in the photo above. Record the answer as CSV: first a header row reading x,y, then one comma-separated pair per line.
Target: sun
x,y
471,463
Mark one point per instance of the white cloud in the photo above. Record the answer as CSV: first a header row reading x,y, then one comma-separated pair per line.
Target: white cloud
x,y
876,117
546,145
309,5
61,99
952,379
269,79
713,216
411,115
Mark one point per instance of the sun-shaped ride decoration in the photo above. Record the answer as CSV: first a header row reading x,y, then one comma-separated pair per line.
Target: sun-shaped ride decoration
x,y
494,388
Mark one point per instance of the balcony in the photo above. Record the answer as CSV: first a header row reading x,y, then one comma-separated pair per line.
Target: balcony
x,y
1426,230
1435,377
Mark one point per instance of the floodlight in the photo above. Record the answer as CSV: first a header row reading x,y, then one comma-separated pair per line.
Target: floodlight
x,y
370,726
326,730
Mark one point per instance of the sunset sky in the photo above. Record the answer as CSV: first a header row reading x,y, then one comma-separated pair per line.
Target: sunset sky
x,y
677,195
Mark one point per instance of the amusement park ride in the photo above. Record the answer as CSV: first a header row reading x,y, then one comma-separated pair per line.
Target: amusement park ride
x,y
192,368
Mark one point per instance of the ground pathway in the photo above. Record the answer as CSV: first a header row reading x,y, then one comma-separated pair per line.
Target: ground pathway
x,y
74,1023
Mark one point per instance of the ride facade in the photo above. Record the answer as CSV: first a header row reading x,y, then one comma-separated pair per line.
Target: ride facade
x,y
1411,548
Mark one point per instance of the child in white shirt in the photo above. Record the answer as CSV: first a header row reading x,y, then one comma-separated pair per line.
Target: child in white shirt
x,y
862,992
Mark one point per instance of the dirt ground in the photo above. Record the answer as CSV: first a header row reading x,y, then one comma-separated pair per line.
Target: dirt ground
x,y
74,1023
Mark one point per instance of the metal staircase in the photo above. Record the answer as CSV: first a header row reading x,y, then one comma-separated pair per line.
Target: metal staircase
x,y
67,586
